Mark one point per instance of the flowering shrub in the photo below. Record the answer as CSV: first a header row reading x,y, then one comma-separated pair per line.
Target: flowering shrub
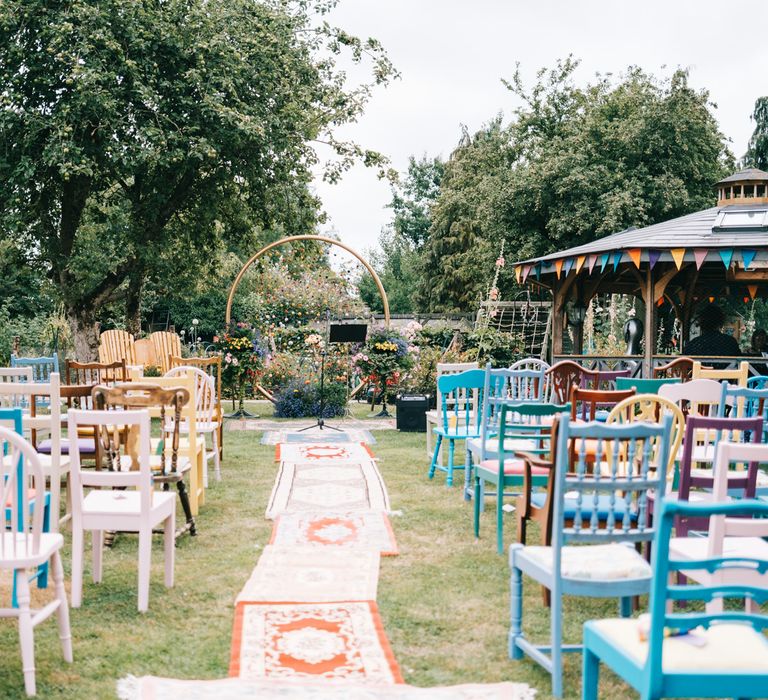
x,y
301,398
242,359
384,359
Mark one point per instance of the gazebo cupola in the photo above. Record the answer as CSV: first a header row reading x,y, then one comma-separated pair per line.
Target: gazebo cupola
x,y
746,187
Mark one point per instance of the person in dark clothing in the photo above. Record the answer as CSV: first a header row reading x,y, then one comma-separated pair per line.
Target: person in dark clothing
x,y
712,340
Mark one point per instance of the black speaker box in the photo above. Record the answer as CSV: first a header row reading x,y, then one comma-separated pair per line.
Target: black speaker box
x,y
411,410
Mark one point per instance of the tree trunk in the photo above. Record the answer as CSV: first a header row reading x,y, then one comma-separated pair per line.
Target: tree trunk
x,y
85,334
133,303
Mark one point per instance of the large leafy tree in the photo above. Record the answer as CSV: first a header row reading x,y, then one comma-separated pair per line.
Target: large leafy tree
x,y
575,163
757,152
136,137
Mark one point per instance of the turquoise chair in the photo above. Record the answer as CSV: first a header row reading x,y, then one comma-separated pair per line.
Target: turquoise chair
x,y
733,660
11,418
593,553
503,383
644,386
522,426
461,399
758,382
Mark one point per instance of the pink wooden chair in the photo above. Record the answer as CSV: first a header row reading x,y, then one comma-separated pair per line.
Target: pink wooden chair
x,y
24,545
138,508
728,537
205,412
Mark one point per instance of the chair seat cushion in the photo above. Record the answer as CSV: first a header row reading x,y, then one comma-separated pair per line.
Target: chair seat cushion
x,y
512,466
603,506
510,445
600,562
728,647
120,502
698,547
84,446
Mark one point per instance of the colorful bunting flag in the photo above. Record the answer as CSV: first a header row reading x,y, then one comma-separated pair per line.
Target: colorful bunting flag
x,y
591,262
678,255
604,261
752,290
568,266
660,301
726,256
518,272
526,272
747,256
634,256
558,267
580,263
616,260
700,255
537,271
653,257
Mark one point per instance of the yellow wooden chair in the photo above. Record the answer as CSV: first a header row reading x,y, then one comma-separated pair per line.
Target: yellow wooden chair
x,y
166,345
738,376
116,345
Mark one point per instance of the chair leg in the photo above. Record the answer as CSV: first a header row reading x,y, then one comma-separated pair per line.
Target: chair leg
x,y
500,518
26,631
77,565
451,456
184,499
216,455
145,560
97,537
476,507
557,644
433,465
65,631
516,613
169,541
467,473
591,675
625,607
55,501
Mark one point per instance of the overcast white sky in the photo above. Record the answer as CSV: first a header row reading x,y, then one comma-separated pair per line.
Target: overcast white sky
x,y
452,53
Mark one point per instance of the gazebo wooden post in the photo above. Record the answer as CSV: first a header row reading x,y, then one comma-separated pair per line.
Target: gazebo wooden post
x,y
650,323
557,320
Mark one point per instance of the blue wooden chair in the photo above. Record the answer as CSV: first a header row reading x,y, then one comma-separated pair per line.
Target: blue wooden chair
x,y
522,426
41,370
11,418
644,386
589,557
519,385
759,381
732,658
461,398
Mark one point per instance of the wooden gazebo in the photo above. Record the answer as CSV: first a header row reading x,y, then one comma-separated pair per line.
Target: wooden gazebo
x,y
717,252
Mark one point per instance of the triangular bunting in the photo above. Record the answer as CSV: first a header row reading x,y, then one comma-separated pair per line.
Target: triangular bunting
x,y
726,256
591,260
660,301
700,255
558,267
616,260
747,256
537,271
526,272
752,290
580,263
653,257
518,272
568,266
634,256
604,261
678,255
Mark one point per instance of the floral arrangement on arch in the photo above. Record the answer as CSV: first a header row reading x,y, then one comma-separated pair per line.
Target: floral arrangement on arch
x,y
384,359
242,359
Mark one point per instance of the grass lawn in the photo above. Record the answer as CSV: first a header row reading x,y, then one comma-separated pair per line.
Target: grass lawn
x,y
444,599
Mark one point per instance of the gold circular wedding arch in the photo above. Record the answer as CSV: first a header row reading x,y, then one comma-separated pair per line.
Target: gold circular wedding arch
x,y
307,237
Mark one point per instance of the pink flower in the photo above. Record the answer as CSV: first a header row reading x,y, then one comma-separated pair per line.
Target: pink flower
x,y
494,294
500,261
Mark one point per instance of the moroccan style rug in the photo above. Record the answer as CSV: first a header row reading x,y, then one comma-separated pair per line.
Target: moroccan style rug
x,y
334,531
312,575
275,437
324,485
323,452
154,688
331,641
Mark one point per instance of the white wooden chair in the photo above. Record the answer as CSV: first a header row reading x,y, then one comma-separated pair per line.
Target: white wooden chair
x,y
205,414
434,416
14,375
137,508
728,537
24,545
55,465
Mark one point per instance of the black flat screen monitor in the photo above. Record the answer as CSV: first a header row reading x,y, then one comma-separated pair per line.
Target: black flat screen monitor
x,y
348,333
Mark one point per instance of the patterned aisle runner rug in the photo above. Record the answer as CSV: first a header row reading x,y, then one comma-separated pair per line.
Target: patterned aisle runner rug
x,y
321,452
334,531
331,641
154,688
312,575
275,437
320,485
